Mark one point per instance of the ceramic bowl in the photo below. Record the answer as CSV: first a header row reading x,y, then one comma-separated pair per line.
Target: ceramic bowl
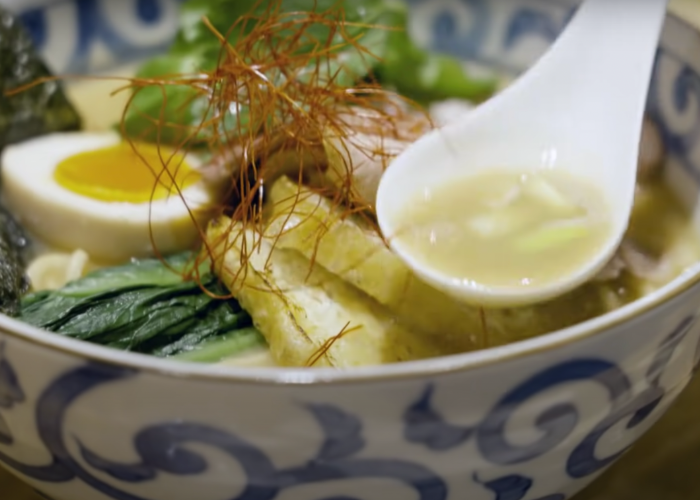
x,y
536,420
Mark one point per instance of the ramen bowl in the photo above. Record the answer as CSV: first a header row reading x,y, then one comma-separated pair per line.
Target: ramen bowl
x,y
533,420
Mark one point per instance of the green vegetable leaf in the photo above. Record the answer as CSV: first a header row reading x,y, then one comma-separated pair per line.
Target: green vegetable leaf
x,y
425,76
144,306
217,348
379,26
137,273
197,49
156,112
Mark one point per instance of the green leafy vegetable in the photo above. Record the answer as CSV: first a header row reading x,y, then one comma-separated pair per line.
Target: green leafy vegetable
x,y
144,306
378,26
138,273
423,75
221,347
184,104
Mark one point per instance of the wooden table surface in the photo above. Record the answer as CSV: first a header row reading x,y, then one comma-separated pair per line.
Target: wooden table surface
x,y
662,466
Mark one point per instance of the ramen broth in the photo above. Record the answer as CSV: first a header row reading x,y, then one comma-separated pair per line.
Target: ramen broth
x,y
506,228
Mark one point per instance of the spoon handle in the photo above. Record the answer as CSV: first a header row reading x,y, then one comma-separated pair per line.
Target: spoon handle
x,y
614,46
599,69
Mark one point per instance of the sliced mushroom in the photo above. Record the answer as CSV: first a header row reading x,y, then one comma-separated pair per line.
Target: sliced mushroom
x,y
631,258
360,150
644,266
612,270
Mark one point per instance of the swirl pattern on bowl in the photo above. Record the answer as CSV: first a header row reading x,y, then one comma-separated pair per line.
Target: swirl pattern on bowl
x,y
78,36
337,449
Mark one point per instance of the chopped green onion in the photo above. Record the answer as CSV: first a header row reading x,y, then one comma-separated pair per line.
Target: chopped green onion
x,y
499,223
545,192
550,236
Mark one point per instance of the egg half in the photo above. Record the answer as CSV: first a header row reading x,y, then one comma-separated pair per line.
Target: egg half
x,y
92,191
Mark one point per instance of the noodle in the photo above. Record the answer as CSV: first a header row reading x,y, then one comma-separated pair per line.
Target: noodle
x,y
54,270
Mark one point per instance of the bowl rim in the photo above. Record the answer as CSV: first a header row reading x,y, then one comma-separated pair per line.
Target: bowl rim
x,y
410,370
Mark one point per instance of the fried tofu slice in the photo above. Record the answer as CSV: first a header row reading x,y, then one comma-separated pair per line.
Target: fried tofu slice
x,y
308,315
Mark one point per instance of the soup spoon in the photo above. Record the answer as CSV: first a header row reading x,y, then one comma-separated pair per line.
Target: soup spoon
x,y
578,111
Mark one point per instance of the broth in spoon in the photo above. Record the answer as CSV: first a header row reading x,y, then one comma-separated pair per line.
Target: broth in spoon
x,y
506,227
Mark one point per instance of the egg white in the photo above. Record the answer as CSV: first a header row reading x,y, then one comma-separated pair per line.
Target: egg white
x,y
107,231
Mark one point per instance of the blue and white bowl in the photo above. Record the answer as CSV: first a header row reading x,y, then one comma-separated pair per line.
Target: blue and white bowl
x,y
536,420
79,36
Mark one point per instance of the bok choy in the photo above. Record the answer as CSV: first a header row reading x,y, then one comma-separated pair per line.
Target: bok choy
x,y
146,306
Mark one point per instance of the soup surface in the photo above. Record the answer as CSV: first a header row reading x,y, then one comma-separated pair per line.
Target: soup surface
x,y
505,228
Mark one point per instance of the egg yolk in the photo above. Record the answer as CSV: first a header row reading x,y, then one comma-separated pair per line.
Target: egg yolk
x,y
119,174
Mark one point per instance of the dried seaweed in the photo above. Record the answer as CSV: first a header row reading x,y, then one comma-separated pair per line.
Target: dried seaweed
x,y
40,110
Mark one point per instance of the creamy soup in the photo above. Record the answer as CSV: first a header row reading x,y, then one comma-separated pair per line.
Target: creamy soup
x,y
506,228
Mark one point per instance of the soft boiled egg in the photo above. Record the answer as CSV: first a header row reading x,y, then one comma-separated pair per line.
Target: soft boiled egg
x,y
94,192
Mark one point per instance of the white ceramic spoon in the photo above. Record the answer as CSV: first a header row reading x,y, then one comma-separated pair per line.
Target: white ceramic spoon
x,y
580,108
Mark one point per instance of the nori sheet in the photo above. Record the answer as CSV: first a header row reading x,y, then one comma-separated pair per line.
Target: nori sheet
x,y
40,110
34,112
14,282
